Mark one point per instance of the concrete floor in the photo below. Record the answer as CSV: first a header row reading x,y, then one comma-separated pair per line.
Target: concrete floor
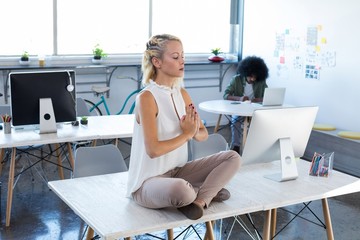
x,y
37,213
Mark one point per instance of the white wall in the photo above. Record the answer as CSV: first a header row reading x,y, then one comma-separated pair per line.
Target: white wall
x,y
337,92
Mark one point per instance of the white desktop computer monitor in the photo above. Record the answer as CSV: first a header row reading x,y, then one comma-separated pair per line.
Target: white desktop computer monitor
x,y
279,134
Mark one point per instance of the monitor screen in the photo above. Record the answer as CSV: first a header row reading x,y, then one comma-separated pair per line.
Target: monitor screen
x,y
27,88
279,134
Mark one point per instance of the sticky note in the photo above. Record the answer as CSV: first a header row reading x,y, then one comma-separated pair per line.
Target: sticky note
x,y
276,53
282,59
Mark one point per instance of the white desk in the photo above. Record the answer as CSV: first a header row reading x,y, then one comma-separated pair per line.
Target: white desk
x,y
113,216
99,127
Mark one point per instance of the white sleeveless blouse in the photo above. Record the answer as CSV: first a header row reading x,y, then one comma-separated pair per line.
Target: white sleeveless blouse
x,y
141,165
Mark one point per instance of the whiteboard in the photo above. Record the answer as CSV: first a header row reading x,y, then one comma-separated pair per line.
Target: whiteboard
x,y
311,48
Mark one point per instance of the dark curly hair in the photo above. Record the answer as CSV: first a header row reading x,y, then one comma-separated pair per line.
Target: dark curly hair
x,y
253,66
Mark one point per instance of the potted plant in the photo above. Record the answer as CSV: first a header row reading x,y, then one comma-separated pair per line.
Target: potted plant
x,y
24,59
215,55
98,54
84,120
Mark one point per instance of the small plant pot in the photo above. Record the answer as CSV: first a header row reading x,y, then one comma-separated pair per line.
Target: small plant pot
x,y
24,62
84,121
96,60
216,58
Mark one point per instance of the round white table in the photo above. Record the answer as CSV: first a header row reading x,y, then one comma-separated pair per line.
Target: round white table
x,y
230,107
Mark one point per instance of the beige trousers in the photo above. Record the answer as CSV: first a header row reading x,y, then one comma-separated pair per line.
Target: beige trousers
x,y
199,179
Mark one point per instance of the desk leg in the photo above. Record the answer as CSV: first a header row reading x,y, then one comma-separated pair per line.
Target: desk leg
x,y
209,231
90,233
327,218
267,225
2,152
217,126
10,186
170,234
71,155
273,222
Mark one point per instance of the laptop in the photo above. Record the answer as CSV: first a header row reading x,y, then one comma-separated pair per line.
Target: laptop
x,y
274,96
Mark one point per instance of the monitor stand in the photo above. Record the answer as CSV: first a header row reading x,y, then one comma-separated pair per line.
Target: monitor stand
x,y
287,162
47,116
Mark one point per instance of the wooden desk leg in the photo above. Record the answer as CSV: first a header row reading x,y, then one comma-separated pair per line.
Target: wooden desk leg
x,y
170,234
209,231
59,159
10,186
206,236
217,124
2,153
327,218
90,233
71,155
267,224
273,222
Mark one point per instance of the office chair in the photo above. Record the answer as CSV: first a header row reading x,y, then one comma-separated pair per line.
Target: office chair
x,y
97,160
5,153
82,109
214,144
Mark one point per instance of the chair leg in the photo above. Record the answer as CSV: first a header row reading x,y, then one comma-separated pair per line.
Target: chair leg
x,y
59,159
71,155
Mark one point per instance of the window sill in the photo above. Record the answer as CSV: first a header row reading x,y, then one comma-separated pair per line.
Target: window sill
x,y
134,59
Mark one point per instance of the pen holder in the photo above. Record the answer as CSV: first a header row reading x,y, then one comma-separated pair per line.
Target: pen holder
x,y
7,127
322,164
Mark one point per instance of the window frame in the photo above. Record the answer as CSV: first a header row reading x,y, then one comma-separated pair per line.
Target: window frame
x,y
236,22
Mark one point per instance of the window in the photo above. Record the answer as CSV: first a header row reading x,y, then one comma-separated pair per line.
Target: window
x,y
201,24
68,27
118,26
26,26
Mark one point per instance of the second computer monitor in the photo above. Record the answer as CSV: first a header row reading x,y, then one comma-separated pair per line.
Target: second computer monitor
x,y
279,134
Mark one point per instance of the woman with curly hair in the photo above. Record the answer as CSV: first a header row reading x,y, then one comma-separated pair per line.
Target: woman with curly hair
x,y
248,85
